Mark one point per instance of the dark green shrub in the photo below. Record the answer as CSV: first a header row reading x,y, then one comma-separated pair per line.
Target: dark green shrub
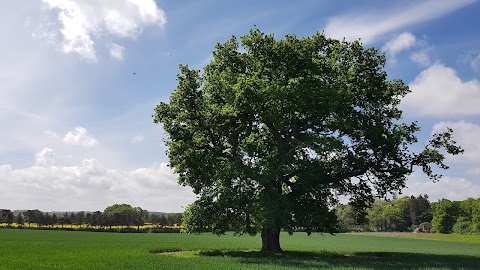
x,y
463,227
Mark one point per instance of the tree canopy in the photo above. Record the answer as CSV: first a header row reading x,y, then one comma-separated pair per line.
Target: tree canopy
x,y
402,214
273,131
125,215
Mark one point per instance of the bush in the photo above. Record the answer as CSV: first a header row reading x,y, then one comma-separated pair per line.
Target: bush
x,y
463,227
476,228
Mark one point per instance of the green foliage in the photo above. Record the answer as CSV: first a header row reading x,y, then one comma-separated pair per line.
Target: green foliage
x,y
463,227
389,216
408,213
346,218
172,219
403,214
270,135
19,219
445,214
3,214
469,211
125,215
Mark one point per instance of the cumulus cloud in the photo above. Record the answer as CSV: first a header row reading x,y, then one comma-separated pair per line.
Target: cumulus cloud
x,y
370,25
91,186
46,157
466,135
81,23
80,136
116,51
421,58
452,188
138,139
438,91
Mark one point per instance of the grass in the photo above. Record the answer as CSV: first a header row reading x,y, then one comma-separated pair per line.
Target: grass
x,y
36,249
463,238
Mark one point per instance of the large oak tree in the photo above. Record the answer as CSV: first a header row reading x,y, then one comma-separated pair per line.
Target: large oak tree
x,y
272,132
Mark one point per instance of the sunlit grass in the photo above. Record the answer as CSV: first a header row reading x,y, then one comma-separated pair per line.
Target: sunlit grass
x,y
38,249
463,238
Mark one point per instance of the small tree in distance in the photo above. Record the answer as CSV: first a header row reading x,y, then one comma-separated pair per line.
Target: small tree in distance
x,y
124,215
269,135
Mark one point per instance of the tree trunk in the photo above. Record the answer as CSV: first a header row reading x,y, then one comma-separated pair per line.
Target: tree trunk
x,y
271,240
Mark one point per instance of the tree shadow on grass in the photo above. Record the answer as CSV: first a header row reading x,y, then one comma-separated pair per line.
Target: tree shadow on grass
x,y
364,260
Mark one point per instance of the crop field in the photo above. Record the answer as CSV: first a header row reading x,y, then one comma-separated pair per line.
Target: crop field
x,y
465,238
38,249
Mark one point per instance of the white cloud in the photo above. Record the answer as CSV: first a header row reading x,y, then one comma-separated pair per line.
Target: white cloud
x,y
399,43
472,59
474,171
50,134
438,91
46,157
116,51
79,136
138,139
81,23
91,186
421,58
466,135
370,25
92,167
452,188
475,63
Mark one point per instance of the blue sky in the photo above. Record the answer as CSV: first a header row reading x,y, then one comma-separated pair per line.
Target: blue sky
x,y
76,126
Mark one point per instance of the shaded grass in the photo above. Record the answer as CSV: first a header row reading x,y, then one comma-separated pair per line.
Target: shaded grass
x,y
360,260
30,249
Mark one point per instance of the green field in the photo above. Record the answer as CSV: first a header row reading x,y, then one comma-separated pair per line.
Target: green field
x,y
36,249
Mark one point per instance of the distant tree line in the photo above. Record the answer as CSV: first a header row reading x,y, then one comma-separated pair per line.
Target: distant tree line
x,y
115,215
409,213
397,215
